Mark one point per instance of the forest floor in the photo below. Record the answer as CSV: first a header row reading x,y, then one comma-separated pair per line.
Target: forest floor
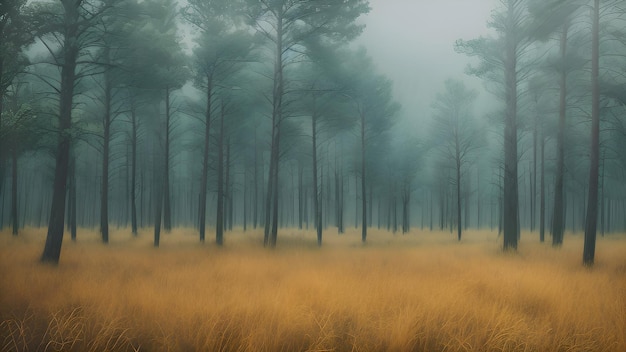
x,y
416,292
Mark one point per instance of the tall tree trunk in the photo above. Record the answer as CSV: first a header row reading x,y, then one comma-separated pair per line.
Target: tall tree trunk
x,y
205,162
219,216
256,184
228,193
510,197
14,217
363,181
158,211
133,171
72,197
458,194
592,208
542,191
271,226
167,208
316,203
300,195
106,124
54,239
558,221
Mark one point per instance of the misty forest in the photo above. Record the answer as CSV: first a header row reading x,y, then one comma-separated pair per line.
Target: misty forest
x,y
287,175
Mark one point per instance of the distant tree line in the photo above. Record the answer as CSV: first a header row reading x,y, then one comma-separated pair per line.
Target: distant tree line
x,y
272,119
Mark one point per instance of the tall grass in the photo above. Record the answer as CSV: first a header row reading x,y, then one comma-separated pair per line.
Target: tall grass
x,y
417,292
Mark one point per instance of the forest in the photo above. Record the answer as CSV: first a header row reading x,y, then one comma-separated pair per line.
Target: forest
x,y
264,130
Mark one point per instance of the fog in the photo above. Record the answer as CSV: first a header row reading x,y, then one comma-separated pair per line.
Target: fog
x,y
312,175
412,42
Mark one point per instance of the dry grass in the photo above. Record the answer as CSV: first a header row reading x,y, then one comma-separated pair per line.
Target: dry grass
x,y
419,292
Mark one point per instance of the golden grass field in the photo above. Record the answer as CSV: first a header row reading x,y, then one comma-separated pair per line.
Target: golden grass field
x,y
417,292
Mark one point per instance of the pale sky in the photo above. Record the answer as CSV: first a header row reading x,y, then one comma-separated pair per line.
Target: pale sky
x,y
412,43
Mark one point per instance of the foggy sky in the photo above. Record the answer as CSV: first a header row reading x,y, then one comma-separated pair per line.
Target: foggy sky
x,y
412,43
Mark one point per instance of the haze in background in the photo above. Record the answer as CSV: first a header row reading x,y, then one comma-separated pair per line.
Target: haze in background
x,y
412,43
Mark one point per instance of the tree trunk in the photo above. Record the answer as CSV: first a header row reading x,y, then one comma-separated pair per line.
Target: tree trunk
x,y
14,217
219,215
363,181
104,193
205,162
54,238
133,172
167,209
158,211
558,222
316,202
458,194
72,197
510,196
542,191
256,185
592,207
271,226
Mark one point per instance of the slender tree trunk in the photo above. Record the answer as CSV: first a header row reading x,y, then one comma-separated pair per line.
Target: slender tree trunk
x,y
205,162
558,221
256,185
363,181
271,227
228,191
158,211
14,217
542,192
2,91
458,194
133,172
104,193
316,203
72,197
54,238
592,207
167,209
219,216
510,197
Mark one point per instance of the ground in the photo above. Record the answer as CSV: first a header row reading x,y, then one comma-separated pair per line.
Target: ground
x,y
416,292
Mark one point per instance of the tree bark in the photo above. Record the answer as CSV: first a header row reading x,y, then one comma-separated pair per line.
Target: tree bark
x,y
167,209
54,238
592,208
558,221
510,197
458,192
104,193
133,171
316,203
205,162
363,182
72,197
542,191
277,98
14,217
219,216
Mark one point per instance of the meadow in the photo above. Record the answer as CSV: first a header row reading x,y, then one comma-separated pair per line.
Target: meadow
x,y
416,292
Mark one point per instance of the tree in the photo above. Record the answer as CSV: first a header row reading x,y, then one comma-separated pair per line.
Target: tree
x,y
20,132
15,34
591,220
550,17
221,51
500,63
72,21
456,134
286,24
163,70
371,96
